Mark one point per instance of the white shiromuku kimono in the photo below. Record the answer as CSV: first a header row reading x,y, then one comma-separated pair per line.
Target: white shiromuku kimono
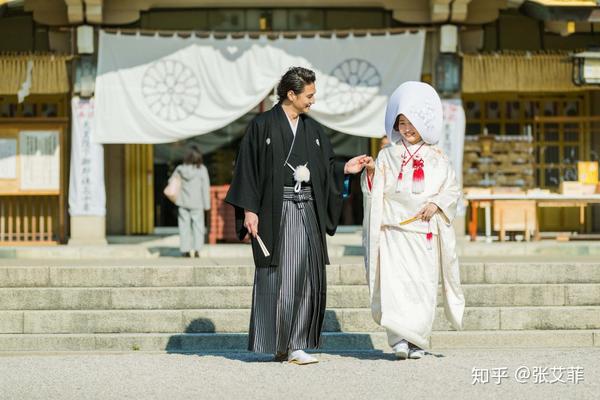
x,y
403,265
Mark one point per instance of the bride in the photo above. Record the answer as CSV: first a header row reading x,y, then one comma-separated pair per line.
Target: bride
x,y
411,195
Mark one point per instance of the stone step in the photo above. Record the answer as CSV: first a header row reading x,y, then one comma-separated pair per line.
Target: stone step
x,y
236,320
332,341
82,252
126,275
228,297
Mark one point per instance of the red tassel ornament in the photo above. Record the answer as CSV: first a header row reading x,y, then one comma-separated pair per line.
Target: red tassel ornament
x,y
405,161
399,182
418,184
429,236
401,173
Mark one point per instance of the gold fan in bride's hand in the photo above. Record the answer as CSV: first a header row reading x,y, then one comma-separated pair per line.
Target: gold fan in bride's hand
x,y
408,221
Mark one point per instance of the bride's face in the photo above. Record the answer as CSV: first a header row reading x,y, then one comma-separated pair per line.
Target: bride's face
x,y
407,130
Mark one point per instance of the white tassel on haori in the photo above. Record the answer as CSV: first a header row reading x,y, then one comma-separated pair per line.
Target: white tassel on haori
x,y
301,174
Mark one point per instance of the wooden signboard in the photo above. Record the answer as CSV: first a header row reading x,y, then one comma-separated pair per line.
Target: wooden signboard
x,y
32,182
30,160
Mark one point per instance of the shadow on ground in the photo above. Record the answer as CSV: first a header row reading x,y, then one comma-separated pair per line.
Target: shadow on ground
x,y
200,339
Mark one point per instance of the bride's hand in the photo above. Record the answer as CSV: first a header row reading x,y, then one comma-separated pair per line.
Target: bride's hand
x,y
370,166
427,212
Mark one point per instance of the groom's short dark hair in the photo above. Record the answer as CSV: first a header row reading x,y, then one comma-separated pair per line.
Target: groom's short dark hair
x,y
294,79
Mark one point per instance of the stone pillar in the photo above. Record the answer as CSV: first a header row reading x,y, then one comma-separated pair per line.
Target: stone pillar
x,y
88,230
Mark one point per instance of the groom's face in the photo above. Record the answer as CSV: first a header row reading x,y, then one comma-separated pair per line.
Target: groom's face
x,y
303,101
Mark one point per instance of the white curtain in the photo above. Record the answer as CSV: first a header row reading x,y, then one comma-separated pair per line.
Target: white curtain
x,y
152,89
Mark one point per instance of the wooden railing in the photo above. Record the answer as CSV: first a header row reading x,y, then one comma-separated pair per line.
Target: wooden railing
x,y
29,220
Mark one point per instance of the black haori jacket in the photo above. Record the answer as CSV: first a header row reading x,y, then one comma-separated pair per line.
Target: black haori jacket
x,y
258,178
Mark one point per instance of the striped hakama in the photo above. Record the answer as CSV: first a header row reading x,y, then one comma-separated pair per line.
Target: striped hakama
x,y
288,301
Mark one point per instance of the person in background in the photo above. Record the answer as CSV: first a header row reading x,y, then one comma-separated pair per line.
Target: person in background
x,y
383,142
193,200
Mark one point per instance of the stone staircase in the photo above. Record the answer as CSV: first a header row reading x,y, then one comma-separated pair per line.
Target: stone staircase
x,y
187,308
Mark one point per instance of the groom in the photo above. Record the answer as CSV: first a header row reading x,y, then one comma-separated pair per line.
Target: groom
x,y
287,192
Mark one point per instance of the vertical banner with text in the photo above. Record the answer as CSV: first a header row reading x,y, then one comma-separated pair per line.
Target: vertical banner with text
x,y
453,138
86,184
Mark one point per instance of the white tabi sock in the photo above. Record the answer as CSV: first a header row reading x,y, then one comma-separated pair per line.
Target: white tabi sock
x,y
301,358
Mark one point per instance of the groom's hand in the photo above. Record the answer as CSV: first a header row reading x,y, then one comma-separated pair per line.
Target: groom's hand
x,y
251,222
356,164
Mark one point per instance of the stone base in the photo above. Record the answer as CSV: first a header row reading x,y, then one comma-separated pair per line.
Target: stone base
x,y
88,230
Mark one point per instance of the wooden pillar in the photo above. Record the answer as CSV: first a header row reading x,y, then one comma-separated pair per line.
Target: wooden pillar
x,y
139,189
374,146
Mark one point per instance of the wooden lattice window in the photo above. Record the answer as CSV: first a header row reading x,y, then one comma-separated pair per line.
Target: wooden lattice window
x,y
34,106
558,146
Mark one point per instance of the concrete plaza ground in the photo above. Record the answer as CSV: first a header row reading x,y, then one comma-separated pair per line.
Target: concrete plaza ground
x,y
359,375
